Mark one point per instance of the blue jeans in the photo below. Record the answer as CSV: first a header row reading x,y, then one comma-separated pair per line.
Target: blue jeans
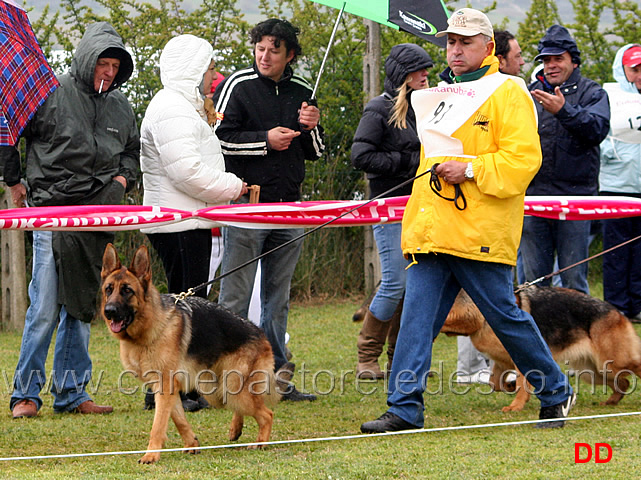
x,y
393,263
432,286
277,270
569,239
71,361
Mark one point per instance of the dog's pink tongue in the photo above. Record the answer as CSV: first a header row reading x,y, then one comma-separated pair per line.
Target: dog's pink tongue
x,y
116,326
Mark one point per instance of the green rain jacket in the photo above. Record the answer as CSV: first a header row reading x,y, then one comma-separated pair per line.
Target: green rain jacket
x,y
76,143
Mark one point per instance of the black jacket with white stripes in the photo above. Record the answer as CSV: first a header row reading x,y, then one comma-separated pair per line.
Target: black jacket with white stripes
x,y
250,104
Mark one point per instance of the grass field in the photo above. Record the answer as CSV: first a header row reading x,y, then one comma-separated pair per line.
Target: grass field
x,y
324,340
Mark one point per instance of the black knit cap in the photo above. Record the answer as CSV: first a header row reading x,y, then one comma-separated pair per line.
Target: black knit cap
x,y
126,63
113,52
402,60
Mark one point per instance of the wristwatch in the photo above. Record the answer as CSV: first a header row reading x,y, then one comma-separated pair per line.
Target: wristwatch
x,y
469,172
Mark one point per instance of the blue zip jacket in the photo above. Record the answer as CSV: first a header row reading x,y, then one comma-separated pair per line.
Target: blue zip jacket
x,y
570,139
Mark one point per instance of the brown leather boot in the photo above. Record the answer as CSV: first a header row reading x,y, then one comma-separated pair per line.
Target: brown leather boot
x,y
392,335
370,344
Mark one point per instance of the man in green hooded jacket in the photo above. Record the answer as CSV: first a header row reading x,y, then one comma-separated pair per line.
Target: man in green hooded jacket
x,y
82,148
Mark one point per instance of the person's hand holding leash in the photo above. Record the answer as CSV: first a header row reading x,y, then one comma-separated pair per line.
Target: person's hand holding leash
x,y
452,172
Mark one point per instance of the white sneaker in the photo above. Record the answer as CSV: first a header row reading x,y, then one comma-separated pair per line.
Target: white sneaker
x,y
481,377
510,378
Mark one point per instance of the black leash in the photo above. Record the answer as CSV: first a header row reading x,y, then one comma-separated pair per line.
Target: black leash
x,y
550,275
309,232
435,184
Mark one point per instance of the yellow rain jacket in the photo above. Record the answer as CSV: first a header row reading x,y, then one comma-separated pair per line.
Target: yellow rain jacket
x,y
508,155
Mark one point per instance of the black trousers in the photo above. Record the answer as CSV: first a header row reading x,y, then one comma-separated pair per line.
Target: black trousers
x,y
185,257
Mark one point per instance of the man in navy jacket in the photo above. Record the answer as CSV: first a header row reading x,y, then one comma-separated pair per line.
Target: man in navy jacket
x,y
574,118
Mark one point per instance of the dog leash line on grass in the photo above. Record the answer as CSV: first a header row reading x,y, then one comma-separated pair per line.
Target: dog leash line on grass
x,y
323,439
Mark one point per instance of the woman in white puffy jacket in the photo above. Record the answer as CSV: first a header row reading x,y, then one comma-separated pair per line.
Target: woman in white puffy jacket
x,y
182,163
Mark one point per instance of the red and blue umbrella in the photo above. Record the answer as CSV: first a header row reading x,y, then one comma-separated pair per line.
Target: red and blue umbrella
x,y
26,79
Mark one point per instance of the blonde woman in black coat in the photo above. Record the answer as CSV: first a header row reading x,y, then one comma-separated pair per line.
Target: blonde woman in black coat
x,y
386,147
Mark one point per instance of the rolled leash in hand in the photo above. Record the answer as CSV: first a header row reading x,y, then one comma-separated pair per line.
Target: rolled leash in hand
x,y
435,185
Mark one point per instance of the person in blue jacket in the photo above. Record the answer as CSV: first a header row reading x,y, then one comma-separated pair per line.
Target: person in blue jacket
x,y
621,175
573,119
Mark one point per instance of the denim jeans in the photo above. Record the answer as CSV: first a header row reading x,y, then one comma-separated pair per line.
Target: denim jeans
x,y
569,239
432,286
622,266
277,270
393,263
71,361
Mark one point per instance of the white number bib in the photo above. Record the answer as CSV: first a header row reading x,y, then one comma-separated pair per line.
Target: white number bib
x,y
441,110
625,108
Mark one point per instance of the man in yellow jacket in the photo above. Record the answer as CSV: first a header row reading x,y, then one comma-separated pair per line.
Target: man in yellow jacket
x,y
462,224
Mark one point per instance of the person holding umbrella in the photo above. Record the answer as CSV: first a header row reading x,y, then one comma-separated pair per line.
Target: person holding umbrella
x,y
82,148
268,128
387,148
462,223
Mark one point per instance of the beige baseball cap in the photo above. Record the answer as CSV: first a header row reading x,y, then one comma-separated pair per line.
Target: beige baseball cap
x,y
468,22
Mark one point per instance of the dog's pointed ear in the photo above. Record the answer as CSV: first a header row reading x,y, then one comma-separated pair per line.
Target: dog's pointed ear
x,y
141,265
110,261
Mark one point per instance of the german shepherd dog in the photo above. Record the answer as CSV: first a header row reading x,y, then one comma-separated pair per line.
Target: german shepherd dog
x,y
181,345
590,335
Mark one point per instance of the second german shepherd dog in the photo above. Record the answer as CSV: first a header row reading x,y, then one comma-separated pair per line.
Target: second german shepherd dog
x,y
181,345
590,335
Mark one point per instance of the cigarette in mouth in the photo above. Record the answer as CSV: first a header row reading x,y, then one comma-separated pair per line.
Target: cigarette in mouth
x,y
102,82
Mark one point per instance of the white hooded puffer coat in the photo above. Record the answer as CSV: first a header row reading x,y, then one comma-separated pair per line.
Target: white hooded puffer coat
x,y
181,158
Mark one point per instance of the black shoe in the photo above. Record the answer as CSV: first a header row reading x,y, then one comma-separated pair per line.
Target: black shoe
x,y
192,402
560,410
294,395
388,422
189,405
202,403
150,401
